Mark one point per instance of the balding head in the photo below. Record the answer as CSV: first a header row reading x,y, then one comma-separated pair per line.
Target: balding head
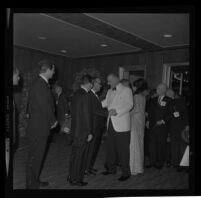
x,y
113,80
170,93
161,89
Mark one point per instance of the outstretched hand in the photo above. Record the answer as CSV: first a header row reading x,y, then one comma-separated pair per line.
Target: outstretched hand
x,y
160,122
112,112
89,138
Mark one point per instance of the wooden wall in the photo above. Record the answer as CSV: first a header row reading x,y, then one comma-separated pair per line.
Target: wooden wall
x,y
26,59
153,60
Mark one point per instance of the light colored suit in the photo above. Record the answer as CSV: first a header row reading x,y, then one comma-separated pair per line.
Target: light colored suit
x,y
122,101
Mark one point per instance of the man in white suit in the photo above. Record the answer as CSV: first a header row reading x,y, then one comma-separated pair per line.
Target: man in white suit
x,y
119,101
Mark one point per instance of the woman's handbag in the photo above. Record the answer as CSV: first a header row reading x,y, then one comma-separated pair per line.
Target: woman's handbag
x,y
66,125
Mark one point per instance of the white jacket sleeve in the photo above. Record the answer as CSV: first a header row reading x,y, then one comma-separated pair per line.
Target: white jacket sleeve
x,y
104,102
127,103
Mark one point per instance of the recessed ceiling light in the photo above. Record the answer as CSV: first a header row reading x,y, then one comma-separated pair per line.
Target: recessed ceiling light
x,y
103,45
167,35
63,51
42,38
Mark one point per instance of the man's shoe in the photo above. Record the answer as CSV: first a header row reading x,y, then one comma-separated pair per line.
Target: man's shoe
x,y
169,165
149,166
86,173
180,169
44,184
95,170
123,178
81,183
73,183
158,167
118,164
90,173
108,173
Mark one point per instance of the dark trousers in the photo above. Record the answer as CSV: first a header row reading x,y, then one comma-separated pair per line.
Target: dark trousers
x,y
146,142
78,160
168,153
54,133
177,147
118,146
158,145
94,146
36,152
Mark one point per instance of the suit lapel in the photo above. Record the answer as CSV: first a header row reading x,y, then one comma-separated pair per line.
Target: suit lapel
x,y
46,84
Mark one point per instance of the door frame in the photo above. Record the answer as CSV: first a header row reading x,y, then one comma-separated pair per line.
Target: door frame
x,y
167,69
124,68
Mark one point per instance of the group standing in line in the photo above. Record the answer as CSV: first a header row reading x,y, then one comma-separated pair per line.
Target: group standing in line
x,y
123,113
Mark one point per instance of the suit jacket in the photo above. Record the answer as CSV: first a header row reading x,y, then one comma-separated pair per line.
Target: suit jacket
x,y
14,124
81,115
99,114
40,109
178,123
157,112
62,107
123,103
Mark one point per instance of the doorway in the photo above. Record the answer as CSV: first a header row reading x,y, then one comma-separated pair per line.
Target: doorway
x,y
177,77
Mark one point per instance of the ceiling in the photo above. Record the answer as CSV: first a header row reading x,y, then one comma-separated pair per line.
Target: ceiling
x,y
82,34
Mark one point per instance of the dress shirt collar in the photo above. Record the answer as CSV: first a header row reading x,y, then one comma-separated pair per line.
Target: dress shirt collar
x,y
44,78
117,87
94,93
84,88
161,97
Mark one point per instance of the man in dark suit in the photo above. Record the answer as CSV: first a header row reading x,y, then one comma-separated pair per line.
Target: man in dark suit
x,y
16,79
81,131
41,120
62,108
10,139
159,113
177,123
99,123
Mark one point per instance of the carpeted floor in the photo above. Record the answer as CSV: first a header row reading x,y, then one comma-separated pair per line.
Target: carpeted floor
x,y
56,170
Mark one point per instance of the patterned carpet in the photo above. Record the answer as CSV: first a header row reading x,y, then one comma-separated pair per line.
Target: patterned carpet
x,y
56,170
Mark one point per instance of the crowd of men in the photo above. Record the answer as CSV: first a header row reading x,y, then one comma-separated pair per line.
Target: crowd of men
x,y
91,117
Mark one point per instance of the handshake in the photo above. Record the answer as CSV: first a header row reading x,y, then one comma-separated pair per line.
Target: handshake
x,y
112,112
160,122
